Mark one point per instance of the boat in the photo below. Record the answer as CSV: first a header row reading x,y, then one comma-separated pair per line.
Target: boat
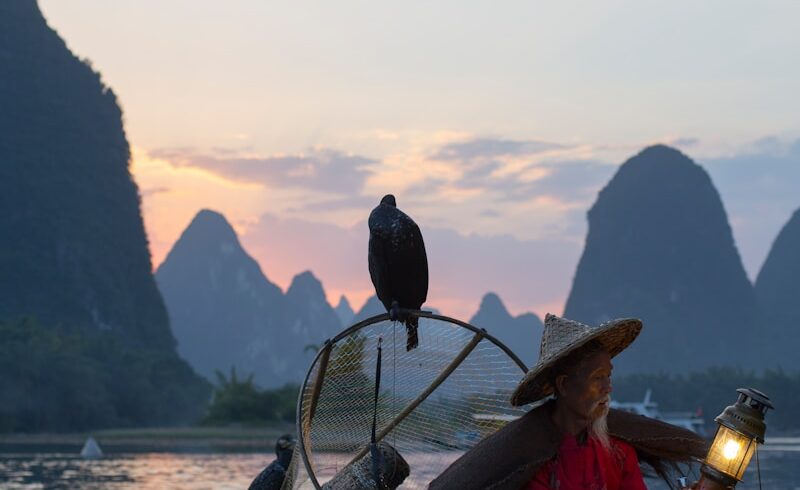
x,y
692,421
91,450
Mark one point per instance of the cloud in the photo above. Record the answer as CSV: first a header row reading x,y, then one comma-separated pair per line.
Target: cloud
x,y
151,191
339,203
574,181
482,148
323,170
684,142
510,171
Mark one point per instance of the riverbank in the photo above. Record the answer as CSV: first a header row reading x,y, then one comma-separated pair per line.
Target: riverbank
x,y
167,439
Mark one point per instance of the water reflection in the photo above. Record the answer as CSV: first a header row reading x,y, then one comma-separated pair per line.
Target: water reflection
x,y
149,471
780,470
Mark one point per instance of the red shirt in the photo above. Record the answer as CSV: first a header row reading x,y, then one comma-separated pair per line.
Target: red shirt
x,y
590,466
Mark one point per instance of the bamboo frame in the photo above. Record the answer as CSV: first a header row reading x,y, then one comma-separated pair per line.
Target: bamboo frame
x,y
304,417
308,416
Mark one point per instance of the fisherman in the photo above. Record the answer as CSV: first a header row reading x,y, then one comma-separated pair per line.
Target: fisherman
x,y
571,439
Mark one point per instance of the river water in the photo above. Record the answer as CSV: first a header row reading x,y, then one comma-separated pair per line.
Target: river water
x,y
780,470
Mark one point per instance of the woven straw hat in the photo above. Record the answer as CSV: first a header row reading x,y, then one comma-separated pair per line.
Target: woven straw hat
x,y
562,336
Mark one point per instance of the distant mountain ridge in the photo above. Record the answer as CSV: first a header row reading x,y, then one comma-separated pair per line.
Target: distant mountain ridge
x,y
217,297
660,248
778,291
344,311
226,313
521,334
371,307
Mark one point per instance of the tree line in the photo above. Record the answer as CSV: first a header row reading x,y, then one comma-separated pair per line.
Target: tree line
x,y
58,379
62,379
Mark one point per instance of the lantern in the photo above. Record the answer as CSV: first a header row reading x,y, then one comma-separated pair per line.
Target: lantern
x,y
741,427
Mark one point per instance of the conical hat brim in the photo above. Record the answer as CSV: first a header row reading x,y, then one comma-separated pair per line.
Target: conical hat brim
x,y
615,336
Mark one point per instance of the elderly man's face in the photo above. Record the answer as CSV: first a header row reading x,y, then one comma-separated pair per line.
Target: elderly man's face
x,y
586,391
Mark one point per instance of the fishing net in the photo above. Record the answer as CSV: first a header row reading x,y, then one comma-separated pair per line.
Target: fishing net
x,y
435,402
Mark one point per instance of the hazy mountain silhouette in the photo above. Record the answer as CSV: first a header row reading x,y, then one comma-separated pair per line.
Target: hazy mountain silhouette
x,y
310,318
225,312
74,250
371,307
219,301
345,312
521,334
778,292
660,248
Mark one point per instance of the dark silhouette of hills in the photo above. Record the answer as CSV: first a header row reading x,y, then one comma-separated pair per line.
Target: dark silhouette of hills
x,y
778,292
373,307
81,318
74,250
219,301
521,334
344,311
370,308
226,313
660,248
309,316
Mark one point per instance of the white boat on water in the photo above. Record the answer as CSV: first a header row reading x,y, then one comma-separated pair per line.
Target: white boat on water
x,y
692,421
647,407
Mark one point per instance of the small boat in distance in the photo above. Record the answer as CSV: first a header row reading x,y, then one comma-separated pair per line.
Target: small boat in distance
x,y
692,421
91,450
647,407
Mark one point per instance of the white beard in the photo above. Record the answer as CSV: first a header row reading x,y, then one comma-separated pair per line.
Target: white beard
x,y
599,430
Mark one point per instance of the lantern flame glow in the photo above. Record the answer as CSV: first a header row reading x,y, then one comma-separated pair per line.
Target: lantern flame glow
x,y
731,449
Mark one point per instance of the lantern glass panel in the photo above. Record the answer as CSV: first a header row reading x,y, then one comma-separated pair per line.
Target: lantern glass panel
x,y
730,452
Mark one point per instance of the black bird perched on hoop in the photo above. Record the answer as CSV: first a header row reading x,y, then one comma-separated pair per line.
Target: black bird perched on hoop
x,y
398,264
271,478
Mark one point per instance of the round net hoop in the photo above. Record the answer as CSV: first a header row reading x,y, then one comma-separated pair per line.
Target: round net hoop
x,y
436,401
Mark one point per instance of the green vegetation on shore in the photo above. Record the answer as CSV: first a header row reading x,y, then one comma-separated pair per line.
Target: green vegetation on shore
x,y
240,401
57,379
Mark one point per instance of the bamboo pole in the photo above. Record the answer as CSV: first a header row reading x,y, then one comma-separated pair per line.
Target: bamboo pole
x,y
318,381
315,391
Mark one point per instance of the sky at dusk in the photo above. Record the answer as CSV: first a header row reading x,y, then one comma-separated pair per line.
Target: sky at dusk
x,y
494,124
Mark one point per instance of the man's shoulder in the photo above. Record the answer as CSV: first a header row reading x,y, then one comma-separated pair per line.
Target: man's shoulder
x,y
507,458
621,443
655,436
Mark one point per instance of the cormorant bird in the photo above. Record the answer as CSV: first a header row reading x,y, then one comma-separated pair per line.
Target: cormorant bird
x,y
398,264
271,478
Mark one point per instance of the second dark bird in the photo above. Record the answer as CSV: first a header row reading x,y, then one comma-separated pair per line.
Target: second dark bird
x,y
271,477
398,265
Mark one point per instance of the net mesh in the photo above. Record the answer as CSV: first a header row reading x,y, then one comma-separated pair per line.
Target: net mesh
x,y
470,403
